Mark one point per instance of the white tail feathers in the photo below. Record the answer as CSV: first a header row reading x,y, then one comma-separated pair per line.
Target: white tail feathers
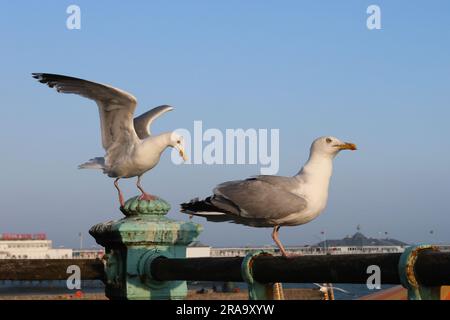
x,y
207,213
96,163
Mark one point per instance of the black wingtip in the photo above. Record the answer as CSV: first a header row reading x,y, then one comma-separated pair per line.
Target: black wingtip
x,y
41,77
196,205
50,79
188,205
53,77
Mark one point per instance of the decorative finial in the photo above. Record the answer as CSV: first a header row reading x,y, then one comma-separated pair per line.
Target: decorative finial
x,y
136,206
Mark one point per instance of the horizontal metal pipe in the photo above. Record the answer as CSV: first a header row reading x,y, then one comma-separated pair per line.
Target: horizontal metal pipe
x,y
431,268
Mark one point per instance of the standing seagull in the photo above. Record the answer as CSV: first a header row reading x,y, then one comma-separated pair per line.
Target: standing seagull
x,y
271,201
130,148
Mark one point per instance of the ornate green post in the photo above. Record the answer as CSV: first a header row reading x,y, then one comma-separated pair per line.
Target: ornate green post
x,y
134,241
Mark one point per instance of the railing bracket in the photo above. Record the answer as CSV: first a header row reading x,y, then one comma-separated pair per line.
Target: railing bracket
x,y
407,273
256,290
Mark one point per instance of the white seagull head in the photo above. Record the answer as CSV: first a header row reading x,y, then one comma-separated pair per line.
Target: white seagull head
x,y
330,146
177,141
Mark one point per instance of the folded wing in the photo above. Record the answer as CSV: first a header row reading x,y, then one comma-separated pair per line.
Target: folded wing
x,y
257,199
251,202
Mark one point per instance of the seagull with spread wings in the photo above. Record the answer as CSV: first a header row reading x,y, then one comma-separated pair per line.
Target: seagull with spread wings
x,y
131,149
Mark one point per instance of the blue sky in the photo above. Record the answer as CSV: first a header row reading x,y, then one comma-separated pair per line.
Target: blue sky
x,y
309,68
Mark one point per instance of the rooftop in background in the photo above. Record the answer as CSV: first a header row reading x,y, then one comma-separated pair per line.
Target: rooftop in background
x,y
358,239
23,236
198,244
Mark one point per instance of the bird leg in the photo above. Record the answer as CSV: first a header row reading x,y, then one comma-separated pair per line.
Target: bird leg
x,y
144,195
116,184
278,242
280,245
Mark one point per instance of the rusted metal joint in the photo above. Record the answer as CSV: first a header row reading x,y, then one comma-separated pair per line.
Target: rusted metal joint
x,y
256,290
408,278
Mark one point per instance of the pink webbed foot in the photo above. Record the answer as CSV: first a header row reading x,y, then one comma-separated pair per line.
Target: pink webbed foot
x,y
147,197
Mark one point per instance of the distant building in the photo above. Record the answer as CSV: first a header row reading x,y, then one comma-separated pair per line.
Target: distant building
x,y
358,239
37,246
304,250
240,251
357,244
88,253
28,246
198,250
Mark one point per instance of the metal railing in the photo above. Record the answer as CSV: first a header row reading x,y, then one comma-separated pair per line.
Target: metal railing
x,y
430,269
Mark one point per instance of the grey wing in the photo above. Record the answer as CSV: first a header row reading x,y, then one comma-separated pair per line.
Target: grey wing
x,y
143,123
116,107
287,183
256,199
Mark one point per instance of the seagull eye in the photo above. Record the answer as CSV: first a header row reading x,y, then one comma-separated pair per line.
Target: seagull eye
x,y
178,141
328,140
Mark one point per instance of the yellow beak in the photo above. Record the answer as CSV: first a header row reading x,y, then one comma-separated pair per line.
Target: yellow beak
x,y
347,146
182,153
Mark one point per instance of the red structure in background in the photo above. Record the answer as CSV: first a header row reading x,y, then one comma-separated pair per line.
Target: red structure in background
x,y
23,236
